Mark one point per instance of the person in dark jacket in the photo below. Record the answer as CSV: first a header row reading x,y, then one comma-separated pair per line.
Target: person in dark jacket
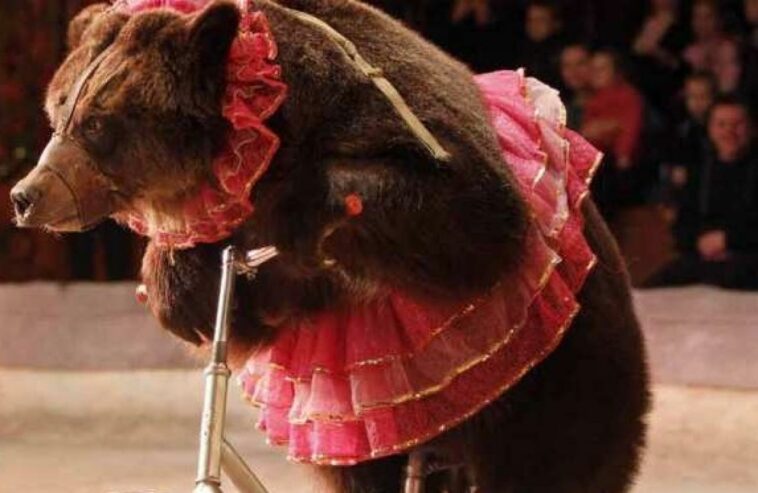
x,y
716,230
689,138
576,73
655,51
480,33
540,52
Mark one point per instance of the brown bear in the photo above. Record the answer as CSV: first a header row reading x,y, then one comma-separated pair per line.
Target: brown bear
x,y
356,206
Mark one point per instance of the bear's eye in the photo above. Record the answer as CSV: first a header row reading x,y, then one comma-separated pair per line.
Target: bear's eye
x,y
97,134
93,127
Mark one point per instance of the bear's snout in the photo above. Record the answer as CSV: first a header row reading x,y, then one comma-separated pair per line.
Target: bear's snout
x,y
23,199
64,192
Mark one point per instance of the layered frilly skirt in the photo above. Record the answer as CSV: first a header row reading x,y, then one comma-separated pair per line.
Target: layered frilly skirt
x,y
378,378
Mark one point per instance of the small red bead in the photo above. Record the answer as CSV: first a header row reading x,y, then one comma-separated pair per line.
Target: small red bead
x,y
353,205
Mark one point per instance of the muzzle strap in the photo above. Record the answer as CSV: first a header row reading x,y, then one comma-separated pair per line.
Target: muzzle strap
x,y
90,191
76,90
94,203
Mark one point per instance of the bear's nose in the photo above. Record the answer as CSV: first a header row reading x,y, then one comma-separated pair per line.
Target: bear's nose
x,y
23,199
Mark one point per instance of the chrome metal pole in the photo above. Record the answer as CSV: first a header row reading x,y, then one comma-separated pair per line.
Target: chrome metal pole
x,y
216,384
215,452
239,472
415,473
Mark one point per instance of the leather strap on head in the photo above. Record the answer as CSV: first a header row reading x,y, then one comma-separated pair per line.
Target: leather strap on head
x,y
76,90
92,191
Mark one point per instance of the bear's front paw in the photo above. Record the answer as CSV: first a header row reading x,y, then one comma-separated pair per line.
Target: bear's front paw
x,y
181,289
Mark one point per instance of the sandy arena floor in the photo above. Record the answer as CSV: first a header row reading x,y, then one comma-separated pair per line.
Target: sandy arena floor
x,y
702,440
84,414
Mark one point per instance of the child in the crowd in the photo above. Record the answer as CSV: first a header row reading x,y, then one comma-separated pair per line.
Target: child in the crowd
x,y
690,137
576,74
612,121
717,226
727,66
540,52
613,115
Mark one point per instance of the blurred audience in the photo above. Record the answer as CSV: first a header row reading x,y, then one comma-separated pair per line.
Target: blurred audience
x,y
612,121
661,36
751,18
539,52
707,30
656,50
474,31
716,229
727,66
648,113
689,140
614,112
576,79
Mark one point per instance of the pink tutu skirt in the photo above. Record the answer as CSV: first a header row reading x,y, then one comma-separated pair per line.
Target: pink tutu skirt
x,y
374,379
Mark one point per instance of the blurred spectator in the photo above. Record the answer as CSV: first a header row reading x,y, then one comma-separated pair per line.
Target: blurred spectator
x,y
576,74
727,67
661,35
479,32
750,55
479,10
656,51
751,17
717,226
613,118
614,113
690,139
707,29
616,22
540,52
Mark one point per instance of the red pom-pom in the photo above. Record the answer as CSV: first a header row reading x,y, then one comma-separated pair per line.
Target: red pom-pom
x,y
353,205
141,294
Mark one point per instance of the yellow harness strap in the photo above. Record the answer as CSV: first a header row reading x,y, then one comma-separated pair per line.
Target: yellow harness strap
x,y
376,75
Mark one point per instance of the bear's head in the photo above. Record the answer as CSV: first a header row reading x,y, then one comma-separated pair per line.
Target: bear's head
x,y
136,115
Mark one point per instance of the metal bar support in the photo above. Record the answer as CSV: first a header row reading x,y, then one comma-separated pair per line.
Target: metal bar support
x,y
239,472
215,451
217,374
415,473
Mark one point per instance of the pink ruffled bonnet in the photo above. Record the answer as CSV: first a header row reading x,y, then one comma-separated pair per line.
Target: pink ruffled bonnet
x,y
254,91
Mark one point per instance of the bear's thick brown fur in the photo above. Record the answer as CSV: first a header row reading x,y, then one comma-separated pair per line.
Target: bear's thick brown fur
x,y
575,423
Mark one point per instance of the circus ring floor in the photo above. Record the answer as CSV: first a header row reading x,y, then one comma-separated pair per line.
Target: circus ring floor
x,y
115,408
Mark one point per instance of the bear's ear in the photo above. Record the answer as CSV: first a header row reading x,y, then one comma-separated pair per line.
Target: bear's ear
x,y
97,25
211,33
81,22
